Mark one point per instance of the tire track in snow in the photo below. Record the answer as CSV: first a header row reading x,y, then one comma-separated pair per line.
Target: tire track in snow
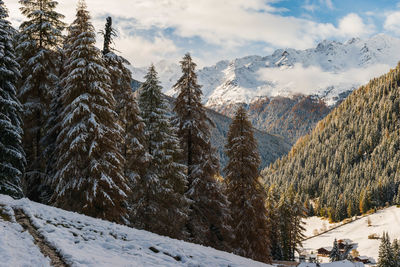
x,y
46,249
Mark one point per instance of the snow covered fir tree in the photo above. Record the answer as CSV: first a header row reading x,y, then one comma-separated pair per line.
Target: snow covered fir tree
x,y
335,252
159,204
38,42
90,165
129,118
245,191
12,156
386,253
209,213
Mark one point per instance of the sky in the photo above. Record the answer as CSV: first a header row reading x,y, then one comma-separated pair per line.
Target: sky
x,y
213,30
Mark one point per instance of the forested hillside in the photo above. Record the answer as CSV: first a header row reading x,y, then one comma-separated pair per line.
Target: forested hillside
x,y
350,163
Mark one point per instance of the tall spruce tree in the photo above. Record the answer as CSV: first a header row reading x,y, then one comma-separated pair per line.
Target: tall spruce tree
x,y
209,213
52,129
37,46
90,177
159,203
12,157
245,192
335,253
273,216
132,148
291,213
385,255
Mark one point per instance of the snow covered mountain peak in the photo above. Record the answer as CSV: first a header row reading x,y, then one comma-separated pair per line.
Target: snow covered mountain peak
x,y
329,70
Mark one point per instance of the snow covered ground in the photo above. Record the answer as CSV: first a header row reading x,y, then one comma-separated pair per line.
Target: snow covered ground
x,y
85,241
16,246
387,220
315,225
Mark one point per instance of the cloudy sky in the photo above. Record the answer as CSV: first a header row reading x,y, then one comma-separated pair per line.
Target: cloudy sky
x,y
152,30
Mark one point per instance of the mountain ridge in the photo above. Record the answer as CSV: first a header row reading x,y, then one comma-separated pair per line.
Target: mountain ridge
x,y
238,80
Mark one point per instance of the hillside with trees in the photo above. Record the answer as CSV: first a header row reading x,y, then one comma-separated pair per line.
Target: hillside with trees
x,y
349,164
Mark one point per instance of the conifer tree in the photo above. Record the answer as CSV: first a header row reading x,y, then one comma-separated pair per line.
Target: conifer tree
x,y
396,198
159,203
335,253
132,148
209,213
396,252
245,192
90,177
274,218
12,157
37,45
386,256
52,130
291,213
285,214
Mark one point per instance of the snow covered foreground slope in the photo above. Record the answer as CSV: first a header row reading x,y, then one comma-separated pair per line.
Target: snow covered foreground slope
x,y
85,241
17,247
386,220
329,70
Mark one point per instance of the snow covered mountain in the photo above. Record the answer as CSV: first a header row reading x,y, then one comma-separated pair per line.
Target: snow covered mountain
x,y
288,92
328,70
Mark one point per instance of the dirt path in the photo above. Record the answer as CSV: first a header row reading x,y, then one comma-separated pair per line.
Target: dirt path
x,y
39,241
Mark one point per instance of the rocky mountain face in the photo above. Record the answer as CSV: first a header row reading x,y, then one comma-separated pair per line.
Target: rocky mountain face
x,y
289,91
290,117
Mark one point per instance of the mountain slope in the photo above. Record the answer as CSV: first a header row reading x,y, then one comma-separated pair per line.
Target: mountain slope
x,y
351,160
85,241
290,117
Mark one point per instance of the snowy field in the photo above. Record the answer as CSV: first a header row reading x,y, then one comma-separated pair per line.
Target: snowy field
x,y
85,241
315,225
358,231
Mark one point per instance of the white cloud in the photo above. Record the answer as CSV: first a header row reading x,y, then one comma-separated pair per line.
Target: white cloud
x,y
227,24
218,22
392,22
311,80
353,25
143,52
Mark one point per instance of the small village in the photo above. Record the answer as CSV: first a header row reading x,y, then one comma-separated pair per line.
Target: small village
x,y
347,249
